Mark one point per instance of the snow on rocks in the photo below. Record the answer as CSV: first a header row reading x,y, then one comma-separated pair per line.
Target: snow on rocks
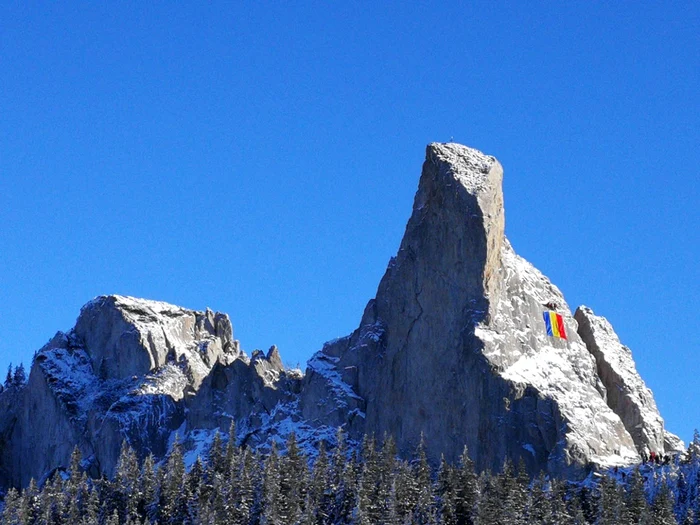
x,y
126,336
561,370
627,394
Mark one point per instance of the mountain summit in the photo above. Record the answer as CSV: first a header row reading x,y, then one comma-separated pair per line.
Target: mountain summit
x,y
454,349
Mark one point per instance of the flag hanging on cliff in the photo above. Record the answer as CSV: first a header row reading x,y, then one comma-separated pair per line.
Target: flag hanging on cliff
x,y
554,323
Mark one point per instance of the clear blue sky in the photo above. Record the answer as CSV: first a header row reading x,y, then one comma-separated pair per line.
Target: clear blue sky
x,y
262,160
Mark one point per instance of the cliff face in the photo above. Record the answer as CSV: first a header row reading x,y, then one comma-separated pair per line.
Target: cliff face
x,y
453,347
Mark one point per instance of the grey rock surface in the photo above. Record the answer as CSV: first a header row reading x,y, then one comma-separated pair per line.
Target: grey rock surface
x,y
124,372
453,348
454,345
627,394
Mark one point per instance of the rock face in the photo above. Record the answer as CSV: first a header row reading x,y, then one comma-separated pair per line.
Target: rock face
x,y
124,372
127,337
627,395
453,347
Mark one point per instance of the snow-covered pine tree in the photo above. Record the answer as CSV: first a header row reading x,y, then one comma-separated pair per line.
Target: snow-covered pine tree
x,y
74,495
318,501
512,489
294,478
574,509
271,503
446,493
385,494
126,485
636,499
467,490
231,449
424,510
611,508
194,480
690,518
558,498
662,507
216,460
489,510
11,510
539,509
91,515
148,503
174,507
368,510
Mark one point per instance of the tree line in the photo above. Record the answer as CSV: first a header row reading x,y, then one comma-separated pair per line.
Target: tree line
x,y
362,485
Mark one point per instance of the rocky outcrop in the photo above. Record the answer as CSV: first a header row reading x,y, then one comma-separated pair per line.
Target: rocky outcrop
x,y
126,336
452,348
626,393
124,372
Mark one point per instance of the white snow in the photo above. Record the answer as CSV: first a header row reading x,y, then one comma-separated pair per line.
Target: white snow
x,y
516,343
469,165
326,366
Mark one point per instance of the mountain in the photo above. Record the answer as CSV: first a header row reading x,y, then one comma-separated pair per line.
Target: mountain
x,y
453,348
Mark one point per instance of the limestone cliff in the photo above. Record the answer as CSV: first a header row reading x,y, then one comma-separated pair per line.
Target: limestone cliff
x,y
453,347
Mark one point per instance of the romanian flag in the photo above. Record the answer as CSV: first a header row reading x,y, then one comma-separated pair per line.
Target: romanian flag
x,y
554,323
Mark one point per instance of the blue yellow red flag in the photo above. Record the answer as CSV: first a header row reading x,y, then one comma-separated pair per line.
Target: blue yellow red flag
x,y
554,324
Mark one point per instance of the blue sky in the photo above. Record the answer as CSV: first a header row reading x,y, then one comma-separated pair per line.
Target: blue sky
x,y
262,160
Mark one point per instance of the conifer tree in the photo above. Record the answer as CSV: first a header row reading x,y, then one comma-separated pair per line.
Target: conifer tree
x,y
539,510
243,502
347,497
293,480
513,490
423,511
20,376
385,492
231,448
29,504
113,519
662,508
9,376
690,518
271,504
92,508
193,484
217,458
467,490
342,481
558,497
636,500
446,493
367,509
173,509
490,509
574,509
148,504
73,487
318,502
611,506
11,511
126,483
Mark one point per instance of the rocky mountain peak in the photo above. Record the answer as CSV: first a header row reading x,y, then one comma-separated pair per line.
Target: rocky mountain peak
x,y
453,348
126,337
